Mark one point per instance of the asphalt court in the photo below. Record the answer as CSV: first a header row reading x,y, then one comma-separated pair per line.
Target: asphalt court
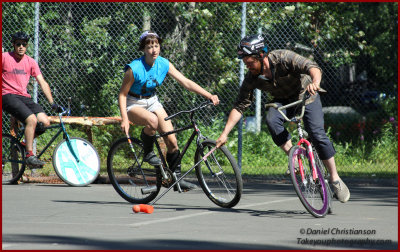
x,y
269,216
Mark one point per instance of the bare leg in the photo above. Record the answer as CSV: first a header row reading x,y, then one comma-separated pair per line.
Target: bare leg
x,y
330,164
43,118
286,146
165,126
30,126
143,117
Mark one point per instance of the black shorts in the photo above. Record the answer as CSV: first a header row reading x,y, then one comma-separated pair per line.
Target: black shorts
x,y
21,107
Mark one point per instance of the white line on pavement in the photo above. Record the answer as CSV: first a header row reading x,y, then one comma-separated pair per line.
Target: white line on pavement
x,y
203,213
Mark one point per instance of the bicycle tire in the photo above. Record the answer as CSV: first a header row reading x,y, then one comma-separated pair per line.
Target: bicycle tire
x,y
129,174
325,174
12,150
225,189
70,171
312,193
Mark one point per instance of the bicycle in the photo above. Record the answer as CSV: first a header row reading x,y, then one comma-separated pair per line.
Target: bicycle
x,y
306,168
138,182
75,160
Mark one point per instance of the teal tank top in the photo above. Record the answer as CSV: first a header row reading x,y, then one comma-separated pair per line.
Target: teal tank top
x,y
147,78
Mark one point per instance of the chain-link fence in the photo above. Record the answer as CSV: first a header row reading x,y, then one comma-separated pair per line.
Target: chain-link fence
x,y
83,48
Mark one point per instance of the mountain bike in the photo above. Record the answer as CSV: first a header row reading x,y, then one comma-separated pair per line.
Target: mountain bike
x,y
75,160
308,173
138,182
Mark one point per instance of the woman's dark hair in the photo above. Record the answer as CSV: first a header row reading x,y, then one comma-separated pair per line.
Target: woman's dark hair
x,y
148,37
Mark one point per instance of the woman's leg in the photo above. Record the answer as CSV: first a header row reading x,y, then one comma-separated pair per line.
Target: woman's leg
x,y
173,150
141,116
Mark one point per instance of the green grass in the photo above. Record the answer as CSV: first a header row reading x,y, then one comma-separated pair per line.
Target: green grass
x,y
374,158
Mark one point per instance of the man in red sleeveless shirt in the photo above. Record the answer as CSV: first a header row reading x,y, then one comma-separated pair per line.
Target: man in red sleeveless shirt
x,y
17,70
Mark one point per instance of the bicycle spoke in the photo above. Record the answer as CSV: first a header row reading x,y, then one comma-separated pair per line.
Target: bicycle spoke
x,y
218,175
310,190
128,173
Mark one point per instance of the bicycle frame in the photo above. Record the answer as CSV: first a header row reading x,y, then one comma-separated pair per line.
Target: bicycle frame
x,y
195,133
61,130
302,140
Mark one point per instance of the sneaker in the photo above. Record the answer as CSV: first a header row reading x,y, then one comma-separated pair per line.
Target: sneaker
x,y
342,193
185,185
34,162
152,159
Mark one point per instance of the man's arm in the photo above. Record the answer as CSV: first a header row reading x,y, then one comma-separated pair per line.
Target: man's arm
x,y
233,119
45,87
316,76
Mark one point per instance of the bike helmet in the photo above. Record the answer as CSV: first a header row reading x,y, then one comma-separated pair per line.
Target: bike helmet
x,y
19,36
251,45
143,38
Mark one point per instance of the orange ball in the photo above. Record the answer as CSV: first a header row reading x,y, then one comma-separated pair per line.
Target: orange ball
x,y
136,208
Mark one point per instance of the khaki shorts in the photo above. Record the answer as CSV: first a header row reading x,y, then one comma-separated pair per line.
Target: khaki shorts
x,y
152,104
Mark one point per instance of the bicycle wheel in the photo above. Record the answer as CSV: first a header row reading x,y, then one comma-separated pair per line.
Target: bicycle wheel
x,y
219,175
312,192
71,171
13,159
326,175
129,175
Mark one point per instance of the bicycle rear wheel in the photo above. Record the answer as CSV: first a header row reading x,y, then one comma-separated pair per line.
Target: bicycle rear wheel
x,y
312,192
73,172
219,175
129,175
13,159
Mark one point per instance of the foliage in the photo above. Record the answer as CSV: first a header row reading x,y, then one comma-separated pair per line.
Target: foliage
x,y
85,46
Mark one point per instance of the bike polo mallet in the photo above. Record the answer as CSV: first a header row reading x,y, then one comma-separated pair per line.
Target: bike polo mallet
x,y
142,207
148,208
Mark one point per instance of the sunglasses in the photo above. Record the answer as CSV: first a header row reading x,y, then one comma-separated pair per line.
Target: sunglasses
x,y
21,44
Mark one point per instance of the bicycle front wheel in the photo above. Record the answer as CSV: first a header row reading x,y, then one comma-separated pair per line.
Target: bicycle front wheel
x,y
325,174
219,175
134,180
13,159
78,167
312,190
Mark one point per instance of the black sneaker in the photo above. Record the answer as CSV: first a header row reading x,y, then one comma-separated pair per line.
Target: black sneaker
x,y
34,162
184,185
152,159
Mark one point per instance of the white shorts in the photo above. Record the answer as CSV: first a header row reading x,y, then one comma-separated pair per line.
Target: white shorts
x,y
152,104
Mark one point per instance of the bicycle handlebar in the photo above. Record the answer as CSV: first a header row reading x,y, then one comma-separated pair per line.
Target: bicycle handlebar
x,y
280,108
202,105
66,110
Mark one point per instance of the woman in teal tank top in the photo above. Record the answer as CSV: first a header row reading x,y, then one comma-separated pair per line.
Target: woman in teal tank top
x,y
139,104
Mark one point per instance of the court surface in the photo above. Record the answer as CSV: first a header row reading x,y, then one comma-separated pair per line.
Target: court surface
x,y
269,216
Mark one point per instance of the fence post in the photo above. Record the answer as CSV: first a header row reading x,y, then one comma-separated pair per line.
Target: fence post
x,y
241,78
36,57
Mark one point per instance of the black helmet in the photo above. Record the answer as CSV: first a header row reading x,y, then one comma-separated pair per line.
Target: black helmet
x,y
251,45
19,36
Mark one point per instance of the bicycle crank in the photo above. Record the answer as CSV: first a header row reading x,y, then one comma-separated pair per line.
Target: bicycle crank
x,y
167,181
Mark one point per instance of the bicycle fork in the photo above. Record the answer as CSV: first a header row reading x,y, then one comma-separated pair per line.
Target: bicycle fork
x,y
309,152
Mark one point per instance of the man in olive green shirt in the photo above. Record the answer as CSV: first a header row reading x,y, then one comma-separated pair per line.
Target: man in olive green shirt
x,y
286,76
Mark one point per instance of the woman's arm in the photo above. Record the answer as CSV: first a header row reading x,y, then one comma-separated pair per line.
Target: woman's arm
x,y
123,93
191,85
